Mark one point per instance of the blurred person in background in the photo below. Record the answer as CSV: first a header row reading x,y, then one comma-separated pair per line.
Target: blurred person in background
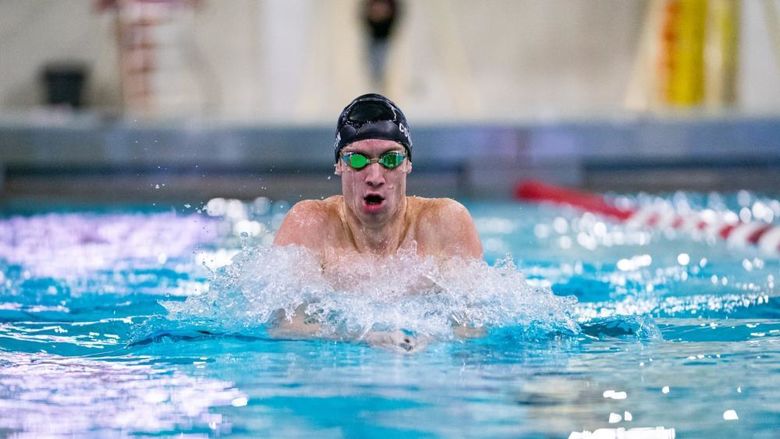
x,y
380,17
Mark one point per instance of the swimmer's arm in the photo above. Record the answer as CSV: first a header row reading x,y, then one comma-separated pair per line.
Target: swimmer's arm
x,y
303,225
299,325
450,234
302,326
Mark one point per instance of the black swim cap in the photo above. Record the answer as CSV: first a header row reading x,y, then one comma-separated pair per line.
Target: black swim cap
x,y
372,116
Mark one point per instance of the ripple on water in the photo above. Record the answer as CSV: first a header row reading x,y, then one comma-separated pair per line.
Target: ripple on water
x,y
50,395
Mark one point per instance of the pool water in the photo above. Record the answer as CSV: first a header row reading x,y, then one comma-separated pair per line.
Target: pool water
x,y
152,321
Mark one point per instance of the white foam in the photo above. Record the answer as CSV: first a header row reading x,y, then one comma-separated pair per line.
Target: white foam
x,y
403,292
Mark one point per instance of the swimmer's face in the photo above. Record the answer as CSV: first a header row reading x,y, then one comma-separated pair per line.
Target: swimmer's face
x,y
373,193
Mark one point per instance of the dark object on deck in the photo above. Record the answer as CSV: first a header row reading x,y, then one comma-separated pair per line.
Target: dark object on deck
x,y
64,83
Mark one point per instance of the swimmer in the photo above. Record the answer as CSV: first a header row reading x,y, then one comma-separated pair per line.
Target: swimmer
x,y
373,217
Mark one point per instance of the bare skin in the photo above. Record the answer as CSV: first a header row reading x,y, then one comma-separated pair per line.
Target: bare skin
x,y
441,227
375,218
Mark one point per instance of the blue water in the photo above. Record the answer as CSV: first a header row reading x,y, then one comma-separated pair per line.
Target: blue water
x,y
133,321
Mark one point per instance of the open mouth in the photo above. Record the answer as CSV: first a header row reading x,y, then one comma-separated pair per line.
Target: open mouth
x,y
373,199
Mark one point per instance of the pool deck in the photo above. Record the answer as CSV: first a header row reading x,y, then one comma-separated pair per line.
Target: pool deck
x,y
98,158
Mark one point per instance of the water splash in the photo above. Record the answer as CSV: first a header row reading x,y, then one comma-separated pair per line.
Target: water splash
x,y
404,292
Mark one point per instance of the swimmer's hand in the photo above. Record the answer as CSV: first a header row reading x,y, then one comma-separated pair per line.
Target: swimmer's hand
x,y
395,340
299,325
465,332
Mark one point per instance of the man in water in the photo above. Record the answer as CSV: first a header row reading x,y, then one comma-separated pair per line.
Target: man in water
x,y
374,216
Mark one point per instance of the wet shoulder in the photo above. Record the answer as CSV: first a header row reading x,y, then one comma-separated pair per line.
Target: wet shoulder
x,y
445,227
436,210
437,216
306,221
315,211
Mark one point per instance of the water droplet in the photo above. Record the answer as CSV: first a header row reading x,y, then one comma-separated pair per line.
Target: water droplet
x,y
239,402
730,415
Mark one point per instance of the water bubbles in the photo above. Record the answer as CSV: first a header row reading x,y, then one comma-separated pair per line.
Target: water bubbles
x,y
744,198
261,206
560,225
745,215
762,212
729,217
541,231
715,201
247,228
683,259
587,241
216,207
600,229
495,245
634,263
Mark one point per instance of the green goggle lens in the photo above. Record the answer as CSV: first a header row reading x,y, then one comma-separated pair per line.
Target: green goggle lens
x,y
389,160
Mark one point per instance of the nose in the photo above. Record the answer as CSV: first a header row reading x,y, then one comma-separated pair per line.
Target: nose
x,y
375,175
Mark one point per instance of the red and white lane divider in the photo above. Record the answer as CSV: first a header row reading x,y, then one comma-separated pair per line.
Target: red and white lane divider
x,y
764,236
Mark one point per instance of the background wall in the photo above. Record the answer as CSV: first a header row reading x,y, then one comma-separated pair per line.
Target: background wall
x,y
302,60
538,86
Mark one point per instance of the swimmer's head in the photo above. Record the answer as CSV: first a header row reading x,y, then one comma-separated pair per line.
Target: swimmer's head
x,y
372,116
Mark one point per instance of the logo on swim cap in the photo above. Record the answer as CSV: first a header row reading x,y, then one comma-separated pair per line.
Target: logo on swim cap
x,y
372,116
338,139
405,131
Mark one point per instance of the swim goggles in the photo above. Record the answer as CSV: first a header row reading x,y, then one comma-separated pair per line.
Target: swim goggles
x,y
388,160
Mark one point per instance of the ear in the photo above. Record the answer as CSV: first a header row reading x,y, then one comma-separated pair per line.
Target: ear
x,y
408,166
337,167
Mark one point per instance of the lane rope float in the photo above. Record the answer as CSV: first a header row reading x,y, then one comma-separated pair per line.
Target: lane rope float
x,y
763,235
